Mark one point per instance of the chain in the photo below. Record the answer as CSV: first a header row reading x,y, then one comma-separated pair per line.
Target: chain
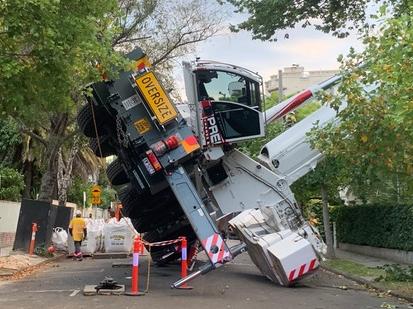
x,y
122,137
96,129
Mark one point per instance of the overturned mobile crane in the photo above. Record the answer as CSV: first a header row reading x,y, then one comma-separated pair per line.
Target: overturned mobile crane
x,y
178,177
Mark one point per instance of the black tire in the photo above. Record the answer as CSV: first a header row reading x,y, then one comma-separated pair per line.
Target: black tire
x,y
105,146
149,221
85,120
130,199
137,204
160,217
116,174
166,254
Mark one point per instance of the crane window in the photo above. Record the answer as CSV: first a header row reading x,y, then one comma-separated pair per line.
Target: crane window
x,y
227,86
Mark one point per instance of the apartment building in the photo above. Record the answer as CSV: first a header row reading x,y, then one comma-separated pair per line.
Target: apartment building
x,y
295,79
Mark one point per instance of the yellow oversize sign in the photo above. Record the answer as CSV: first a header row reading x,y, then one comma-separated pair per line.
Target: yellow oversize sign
x,y
156,98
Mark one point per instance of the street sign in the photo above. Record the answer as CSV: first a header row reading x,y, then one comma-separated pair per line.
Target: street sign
x,y
96,191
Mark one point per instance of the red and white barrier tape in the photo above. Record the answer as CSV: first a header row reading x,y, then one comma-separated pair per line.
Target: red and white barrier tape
x,y
161,243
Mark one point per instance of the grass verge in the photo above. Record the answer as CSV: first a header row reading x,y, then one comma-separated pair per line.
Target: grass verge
x,y
370,274
355,268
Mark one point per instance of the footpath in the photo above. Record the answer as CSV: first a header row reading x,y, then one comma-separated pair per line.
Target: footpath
x,y
21,264
369,271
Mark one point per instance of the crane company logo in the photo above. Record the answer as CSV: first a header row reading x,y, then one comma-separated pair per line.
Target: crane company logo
x,y
211,131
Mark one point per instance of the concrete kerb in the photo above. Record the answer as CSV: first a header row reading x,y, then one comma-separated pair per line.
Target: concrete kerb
x,y
25,269
368,283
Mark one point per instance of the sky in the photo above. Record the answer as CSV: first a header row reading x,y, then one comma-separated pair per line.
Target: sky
x,y
307,47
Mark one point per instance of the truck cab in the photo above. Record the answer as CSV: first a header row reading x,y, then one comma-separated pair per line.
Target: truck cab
x,y
235,100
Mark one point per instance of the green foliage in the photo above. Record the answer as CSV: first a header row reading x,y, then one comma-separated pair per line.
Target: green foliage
x,y
76,189
354,268
376,128
307,109
11,184
42,251
108,195
9,138
387,273
272,100
330,172
266,18
313,212
49,50
389,226
395,272
78,186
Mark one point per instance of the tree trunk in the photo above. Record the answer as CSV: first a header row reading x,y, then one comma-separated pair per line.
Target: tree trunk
x,y
64,172
28,166
58,125
326,221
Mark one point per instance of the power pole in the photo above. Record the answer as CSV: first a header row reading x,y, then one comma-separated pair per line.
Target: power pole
x,y
280,85
326,220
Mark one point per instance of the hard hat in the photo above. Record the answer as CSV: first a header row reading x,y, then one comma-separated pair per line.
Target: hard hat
x,y
78,213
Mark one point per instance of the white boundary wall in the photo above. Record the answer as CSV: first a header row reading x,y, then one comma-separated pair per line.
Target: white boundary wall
x,y
9,215
398,256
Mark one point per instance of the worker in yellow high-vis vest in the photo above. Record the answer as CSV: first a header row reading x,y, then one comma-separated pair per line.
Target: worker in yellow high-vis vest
x,y
77,229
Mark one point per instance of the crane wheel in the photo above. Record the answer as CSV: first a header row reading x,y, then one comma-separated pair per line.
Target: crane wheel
x,y
105,146
116,174
85,120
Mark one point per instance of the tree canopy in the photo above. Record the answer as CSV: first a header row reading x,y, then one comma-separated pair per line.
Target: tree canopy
x,y
266,18
11,183
376,128
49,50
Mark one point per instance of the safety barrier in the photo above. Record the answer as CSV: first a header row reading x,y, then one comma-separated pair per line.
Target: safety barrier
x,y
184,262
33,239
184,265
137,244
138,250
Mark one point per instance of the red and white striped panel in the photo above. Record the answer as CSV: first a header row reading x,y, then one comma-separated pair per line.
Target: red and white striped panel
x,y
221,254
303,269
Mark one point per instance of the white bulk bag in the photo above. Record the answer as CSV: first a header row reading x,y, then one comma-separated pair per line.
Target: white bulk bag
x,y
59,238
118,236
89,245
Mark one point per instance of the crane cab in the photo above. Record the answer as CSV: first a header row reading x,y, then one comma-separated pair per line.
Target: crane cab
x,y
225,102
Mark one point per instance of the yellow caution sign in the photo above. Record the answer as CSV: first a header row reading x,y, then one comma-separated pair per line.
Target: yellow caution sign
x,y
156,98
96,192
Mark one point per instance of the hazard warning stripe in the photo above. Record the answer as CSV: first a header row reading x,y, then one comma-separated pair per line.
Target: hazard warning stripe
x,y
291,277
312,264
303,269
215,240
301,272
220,245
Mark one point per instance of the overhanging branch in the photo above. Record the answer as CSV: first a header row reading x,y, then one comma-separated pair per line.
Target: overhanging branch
x,y
34,135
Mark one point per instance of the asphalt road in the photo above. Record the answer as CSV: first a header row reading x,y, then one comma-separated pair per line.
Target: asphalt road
x,y
237,285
